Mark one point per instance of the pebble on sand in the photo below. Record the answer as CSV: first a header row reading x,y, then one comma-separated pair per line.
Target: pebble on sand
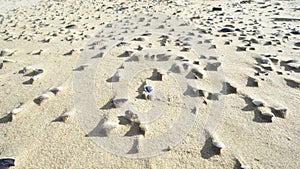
x,y
117,102
258,102
218,145
280,112
109,125
55,90
66,115
7,162
40,99
266,113
7,52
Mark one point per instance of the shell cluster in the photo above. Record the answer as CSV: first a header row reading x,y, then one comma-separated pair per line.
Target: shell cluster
x,y
268,112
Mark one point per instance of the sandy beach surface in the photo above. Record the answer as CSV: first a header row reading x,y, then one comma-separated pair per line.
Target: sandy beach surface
x,y
150,84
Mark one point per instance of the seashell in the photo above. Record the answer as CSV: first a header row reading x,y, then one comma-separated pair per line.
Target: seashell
x,y
109,125
242,164
295,66
131,116
148,88
149,96
186,48
245,167
117,102
121,44
16,110
126,54
27,69
267,67
186,65
7,162
64,116
218,145
139,39
226,29
71,26
169,148
82,67
144,127
202,93
140,47
43,97
258,102
7,52
241,48
117,76
9,61
266,113
55,90
280,112
38,71
34,78
71,52
37,52
46,39
161,73
198,73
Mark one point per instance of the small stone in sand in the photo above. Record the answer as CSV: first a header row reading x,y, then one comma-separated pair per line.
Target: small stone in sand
x,y
258,102
117,102
7,162
7,52
266,113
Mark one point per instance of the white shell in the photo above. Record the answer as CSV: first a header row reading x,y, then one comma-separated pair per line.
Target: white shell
x,y
72,51
38,71
67,114
16,110
198,73
37,52
218,144
245,167
28,68
46,39
144,127
44,96
9,61
109,125
36,77
280,109
269,114
258,102
6,52
56,89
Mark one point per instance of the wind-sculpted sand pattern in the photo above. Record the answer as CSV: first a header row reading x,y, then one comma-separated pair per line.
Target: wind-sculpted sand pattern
x,y
147,50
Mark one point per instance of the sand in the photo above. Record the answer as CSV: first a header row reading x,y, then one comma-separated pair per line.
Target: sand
x,y
225,79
